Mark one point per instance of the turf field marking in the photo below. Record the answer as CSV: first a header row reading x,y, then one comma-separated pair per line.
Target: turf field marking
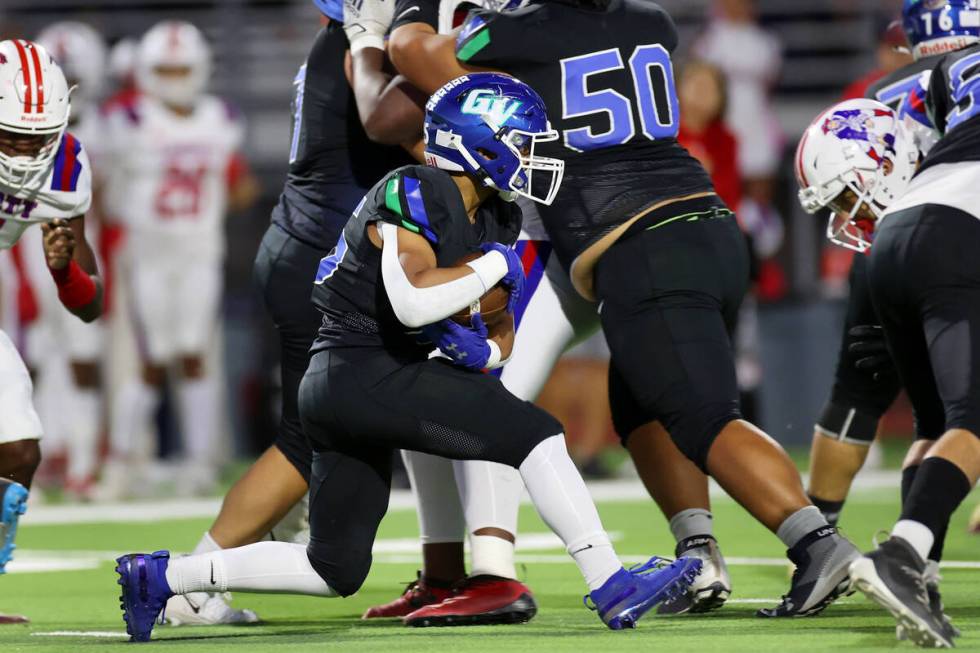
x,y
82,633
152,511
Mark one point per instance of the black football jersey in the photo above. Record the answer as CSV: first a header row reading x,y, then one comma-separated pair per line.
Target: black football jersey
x,y
893,88
332,163
349,289
953,103
607,79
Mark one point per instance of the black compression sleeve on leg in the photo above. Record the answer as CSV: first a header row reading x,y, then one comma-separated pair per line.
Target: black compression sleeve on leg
x,y
938,489
831,509
908,477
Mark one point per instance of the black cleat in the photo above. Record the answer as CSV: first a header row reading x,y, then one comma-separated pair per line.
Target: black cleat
x,y
893,576
822,559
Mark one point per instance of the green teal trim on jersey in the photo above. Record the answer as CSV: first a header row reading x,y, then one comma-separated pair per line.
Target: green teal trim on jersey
x,y
392,201
411,226
474,45
694,217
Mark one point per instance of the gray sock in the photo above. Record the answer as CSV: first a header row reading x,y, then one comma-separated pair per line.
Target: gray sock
x,y
691,522
801,523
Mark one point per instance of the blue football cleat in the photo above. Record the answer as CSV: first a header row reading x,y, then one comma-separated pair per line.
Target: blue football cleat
x,y
145,591
13,504
628,595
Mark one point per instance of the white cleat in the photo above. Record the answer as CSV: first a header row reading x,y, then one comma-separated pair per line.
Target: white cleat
x,y
205,609
711,588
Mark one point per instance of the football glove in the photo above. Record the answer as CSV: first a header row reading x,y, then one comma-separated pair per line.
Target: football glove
x,y
465,346
870,351
366,22
514,279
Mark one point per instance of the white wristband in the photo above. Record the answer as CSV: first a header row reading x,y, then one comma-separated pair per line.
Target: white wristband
x,y
495,356
490,268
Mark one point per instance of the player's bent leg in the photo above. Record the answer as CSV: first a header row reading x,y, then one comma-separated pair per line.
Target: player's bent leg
x,y
842,438
681,491
441,528
258,501
849,421
432,406
19,460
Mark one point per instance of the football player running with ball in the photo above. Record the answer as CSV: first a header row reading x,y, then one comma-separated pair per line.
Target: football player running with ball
x,y
638,227
44,179
387,288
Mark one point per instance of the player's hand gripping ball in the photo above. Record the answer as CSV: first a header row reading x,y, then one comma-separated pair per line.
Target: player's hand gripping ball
x,y
59,244
492,307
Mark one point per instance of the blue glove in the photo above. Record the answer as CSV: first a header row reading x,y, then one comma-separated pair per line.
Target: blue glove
x,y
514,279
466,347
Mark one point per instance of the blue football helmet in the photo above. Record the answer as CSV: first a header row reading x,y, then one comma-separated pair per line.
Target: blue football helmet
x,y
938,26
488,124
333,9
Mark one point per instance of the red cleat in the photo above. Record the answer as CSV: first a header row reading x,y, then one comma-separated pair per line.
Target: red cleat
x,y
13,619
418,594
480,600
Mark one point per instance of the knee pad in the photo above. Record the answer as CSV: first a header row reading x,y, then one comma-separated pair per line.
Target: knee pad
x,y
694,431
845,422
342,568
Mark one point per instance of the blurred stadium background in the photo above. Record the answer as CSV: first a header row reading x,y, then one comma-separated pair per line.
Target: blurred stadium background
x,y
803,57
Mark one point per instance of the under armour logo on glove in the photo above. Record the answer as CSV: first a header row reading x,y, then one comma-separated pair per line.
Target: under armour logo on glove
x,y
465,346
366,22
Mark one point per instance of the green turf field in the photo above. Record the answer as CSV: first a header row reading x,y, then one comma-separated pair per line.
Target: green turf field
x,y
83,606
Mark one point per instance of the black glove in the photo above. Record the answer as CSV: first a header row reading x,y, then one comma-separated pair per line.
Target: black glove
x,y
869,348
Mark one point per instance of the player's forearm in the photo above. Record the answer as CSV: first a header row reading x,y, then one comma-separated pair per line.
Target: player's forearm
x,y
428,60
421,296
389,107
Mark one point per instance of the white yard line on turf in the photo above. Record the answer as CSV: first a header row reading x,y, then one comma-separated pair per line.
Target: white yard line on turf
x,y
82,633
151,511
387,551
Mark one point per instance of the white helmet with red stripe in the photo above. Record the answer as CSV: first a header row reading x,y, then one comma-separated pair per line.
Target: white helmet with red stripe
x,y
168,48
855,159
81,53
34,102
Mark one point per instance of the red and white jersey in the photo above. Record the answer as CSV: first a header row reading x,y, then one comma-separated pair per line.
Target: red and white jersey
x,y
167,174
66,192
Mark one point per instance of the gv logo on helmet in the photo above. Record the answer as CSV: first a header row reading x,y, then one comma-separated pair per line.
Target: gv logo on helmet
x,y
483,101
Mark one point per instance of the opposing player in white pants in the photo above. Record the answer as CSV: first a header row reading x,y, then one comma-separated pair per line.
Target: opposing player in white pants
x,y
44,178
177,150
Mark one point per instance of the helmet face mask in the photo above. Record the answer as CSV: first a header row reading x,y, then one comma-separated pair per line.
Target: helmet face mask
x,y
855,159
488,125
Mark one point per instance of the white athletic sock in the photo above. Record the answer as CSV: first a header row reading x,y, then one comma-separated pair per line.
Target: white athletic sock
x,y
85,406
691,522
268,567
198,418
132,413
206,544
564,503
917,534
491,556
